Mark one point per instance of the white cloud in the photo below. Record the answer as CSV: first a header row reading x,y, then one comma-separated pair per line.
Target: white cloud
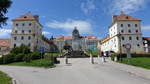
x,y
46,33
127,6
5,32
68,25
147,27
88,6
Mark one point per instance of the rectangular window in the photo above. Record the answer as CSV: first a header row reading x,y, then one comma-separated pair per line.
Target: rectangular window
x,y
15,38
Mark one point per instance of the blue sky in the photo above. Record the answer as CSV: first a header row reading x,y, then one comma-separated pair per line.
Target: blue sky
x,y
92,17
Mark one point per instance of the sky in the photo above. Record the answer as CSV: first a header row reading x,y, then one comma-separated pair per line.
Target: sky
x,y
91,17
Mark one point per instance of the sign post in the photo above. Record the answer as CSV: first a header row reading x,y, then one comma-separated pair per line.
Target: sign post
x,y
128,48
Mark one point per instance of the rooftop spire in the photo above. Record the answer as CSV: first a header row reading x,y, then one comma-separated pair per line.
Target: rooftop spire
x,y
122,12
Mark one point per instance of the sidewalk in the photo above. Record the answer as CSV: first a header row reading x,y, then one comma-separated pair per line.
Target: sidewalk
x,y
138,71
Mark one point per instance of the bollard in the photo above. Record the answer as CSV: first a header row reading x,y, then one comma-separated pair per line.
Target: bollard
x,y
92,59
103,59
66,60
98,56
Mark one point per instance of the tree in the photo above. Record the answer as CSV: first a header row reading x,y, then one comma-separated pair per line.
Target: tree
x,y
21,49
4,5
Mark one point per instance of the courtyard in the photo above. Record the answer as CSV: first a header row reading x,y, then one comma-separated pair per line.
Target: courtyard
x,y
79,71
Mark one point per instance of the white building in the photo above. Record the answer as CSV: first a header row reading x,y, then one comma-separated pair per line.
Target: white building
x,y
146,42
27,30
124,30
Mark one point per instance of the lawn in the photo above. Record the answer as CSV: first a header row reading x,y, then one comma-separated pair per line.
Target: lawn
x,y
35,63
5,79
143,62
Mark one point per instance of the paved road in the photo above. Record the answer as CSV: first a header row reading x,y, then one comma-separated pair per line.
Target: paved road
x,y
79,71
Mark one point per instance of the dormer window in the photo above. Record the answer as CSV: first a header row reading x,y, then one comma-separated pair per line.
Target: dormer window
x,y
25,16
127,17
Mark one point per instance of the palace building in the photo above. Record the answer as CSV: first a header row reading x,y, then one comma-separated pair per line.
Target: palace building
x,y
124,30
77,42
27,30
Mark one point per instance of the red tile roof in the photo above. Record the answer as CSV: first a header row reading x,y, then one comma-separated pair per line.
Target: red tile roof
x,y
63,37
147,38
5,42
70,37
124,17
26,17
90,37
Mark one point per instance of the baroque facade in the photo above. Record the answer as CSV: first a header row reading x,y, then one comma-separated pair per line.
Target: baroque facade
x,y
27,30
124,30
77,42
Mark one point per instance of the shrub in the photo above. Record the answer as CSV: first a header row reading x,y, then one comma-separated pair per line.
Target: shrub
x,y
35,55
22,49
19,57
27,58
114,55
1,60
9,58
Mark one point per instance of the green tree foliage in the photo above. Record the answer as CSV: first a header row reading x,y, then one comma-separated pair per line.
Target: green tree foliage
x,y
4,5
68,47
19,57
35,55
9,58
22,49
27,58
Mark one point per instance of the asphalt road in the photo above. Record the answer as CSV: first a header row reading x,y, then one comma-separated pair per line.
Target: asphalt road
x,y
79,71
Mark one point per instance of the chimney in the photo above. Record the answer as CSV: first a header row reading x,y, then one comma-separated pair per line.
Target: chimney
x,y
36,17
114,18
